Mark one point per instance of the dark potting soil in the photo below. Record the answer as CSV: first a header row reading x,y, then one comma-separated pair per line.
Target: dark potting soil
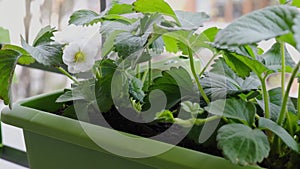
x,y
113,119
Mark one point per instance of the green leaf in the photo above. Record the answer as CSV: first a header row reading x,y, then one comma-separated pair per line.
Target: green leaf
x,y
83,17
158,46
110,26
120,9
110,30
83,97
99,89
147,22
25,58
267,23
221,82
237,66
282,1
170,44
288,38
103,85
70,112
233,108
154,6
296,3
193,108
220,67
8,62
127,44
169,83
186,39
4,36
175,37
46,54
136,89
113,17
191,20
279,131
296,30
109,42
243,145
272,58
44,36
210,34
74,94
165,116
243,65
218,86
250,51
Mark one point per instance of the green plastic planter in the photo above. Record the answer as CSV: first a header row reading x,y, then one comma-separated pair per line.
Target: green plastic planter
x,y
56,142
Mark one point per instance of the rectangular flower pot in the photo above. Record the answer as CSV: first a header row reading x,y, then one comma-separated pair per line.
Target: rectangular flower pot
x,y
56,142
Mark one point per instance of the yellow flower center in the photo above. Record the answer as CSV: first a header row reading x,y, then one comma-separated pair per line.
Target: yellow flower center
x,y
79,57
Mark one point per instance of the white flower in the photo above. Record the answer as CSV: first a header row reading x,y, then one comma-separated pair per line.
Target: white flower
x,y
274,81
83,47
78,58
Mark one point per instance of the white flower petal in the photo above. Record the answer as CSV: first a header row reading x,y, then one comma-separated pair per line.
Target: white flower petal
x,y
86,40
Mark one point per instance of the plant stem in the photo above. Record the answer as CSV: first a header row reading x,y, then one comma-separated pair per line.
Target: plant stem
x,y
208,64
138,71
149,73
265,97
144,76
67,74
192,64
289,125
149,69
98,73
286,96
282,50
199,122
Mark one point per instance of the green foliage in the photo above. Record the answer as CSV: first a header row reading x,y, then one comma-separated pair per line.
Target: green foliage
x,y
233,108
296,32
46,54
110,31
44,36
25,58
84,17
120,9
272,58
136,89
222,82
193,108
127,44
282,1
296,3
165,116
243,145
88,90
279,131
244,65
191,20
154,6
235,83
264,24
8,62
103,85
275,103
173,83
